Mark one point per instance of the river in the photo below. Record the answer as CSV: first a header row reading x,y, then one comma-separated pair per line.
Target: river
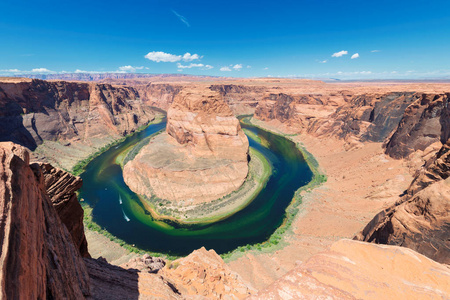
x,y
117,209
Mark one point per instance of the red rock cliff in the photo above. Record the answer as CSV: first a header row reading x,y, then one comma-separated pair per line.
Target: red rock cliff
x,y
73,119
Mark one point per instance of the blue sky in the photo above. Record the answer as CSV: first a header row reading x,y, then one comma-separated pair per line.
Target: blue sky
x,y
387,39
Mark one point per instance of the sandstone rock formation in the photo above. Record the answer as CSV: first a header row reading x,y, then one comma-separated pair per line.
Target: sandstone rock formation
x,y
68,119
242,99
159,95
420,220
202,157
145,263
425,122
203,273
356,270
435,169
38,259
61,187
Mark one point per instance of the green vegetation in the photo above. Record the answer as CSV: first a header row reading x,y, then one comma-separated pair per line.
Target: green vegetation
x,y
90,224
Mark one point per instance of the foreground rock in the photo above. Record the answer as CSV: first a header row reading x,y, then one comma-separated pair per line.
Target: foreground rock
x,y
357,270
202,157
204,273
38,258
61,187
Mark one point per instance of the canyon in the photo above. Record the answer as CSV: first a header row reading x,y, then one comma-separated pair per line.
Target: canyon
x,y
65,122
383,146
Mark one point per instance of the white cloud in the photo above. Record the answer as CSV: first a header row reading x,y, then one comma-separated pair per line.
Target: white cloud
x,y
237,67
182,19
340,53
130,68
192,65
266,68
323,61
249,67
41,70
356,55
190,57
180,66
160,56
373,51
225,69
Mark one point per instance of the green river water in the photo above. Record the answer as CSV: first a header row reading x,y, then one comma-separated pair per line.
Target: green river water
x,y
117,209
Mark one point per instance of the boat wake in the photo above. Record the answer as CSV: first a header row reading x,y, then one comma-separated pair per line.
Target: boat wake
x,y
125,216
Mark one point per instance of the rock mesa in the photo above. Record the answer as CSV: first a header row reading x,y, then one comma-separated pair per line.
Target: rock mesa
x,y
202,156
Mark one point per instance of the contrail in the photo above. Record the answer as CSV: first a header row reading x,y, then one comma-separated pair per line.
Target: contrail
x,y
182,19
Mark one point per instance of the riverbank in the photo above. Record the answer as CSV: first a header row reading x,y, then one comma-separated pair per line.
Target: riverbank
x,y
360,182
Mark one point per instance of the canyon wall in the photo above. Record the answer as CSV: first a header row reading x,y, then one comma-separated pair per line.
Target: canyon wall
x,y
67,119
405,121
38,258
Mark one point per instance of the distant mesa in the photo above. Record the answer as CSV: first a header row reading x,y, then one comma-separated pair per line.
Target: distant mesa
x,y
202,156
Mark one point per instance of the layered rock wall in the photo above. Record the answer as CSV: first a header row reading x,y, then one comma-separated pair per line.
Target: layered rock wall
x,y
38,258
405,121
68,119
424,122
61,187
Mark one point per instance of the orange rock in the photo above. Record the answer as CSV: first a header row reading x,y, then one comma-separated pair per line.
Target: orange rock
x,y
202,157
358,270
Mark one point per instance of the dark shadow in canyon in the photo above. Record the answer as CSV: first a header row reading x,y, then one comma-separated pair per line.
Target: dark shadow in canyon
x,y
12,129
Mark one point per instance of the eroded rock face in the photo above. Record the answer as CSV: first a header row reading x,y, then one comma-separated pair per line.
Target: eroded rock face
x,y
38,258
61,187
437,168
204,273
405,121
425,122
68,115
421,223
158,95
202,157
357,270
